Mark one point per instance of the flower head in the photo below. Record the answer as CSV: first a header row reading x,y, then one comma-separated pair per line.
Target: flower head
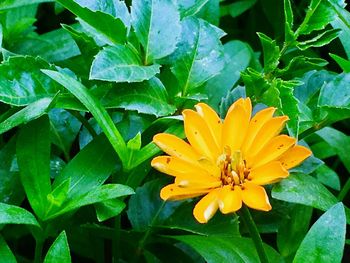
x,y
228,160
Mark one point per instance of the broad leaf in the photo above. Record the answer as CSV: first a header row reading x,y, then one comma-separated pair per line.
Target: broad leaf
x,y
342,21
5,252
59,250
34,141
326,239
328,177
189,7
11,214
121,63
148,19
237,8
9,4
108,209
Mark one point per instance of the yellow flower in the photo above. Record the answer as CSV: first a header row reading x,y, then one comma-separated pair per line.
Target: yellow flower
x,y
227,161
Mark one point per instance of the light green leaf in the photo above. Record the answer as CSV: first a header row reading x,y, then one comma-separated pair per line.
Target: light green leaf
x,y
96,109
336,93
121,63
343,63
189,7
31,112
34,140
148,19
5,252
320,40
11,214
199,55
59,250
304,189
109,29
289,20
326,238
271,52
108,209
342,21
328,177
135,143
22,82
9,4
149,97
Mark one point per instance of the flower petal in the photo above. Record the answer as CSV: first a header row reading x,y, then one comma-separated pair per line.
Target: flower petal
x,y
174,146
272,150
294,156
244,102
206,208
268,173
197,181
256,123
199,135
255,197
174,192
175,166
269,130
213,121
230,200
235,127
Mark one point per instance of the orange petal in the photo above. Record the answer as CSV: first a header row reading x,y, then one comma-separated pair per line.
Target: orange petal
x,y
230,200
175,166
212,119
269,130
268,173
272,150
245,103
294,156
206,207
174,192
235,127
199,135
256,123
255,197
174,146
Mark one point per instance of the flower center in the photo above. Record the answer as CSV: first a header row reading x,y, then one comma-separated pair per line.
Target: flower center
x,y
233,168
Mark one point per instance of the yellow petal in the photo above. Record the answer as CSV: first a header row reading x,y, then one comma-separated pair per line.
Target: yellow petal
x,y
206,207
294,156
230,200
256,123
245,103
175,166
197,181
199,135
268,173
174,146
213,121
272,150
269,130
235,127
174,192
255,197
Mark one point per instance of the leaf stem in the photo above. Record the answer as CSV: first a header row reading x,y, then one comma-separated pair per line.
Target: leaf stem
x,y
254,233
39,242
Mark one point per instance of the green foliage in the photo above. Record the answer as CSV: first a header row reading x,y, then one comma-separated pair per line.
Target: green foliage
x,y
86,84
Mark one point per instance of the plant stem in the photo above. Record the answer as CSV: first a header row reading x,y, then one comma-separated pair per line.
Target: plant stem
x,y
254,233
116,240
39,242
85,123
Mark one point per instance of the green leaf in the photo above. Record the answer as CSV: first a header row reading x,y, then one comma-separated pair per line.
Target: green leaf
x,y
292,230
328,177
342,63
108,29
210,12
342,21
304,189
271,52
199,55
231,97
326,238
237,58
298,65
146,206
5,252
320,40
96,195
29,113
11,214
289,20
59,194
34,140
135,143
149,97
189,7
9,4
226,249
237,8
59,250
96,109
108,209
121,63
22,82
148,20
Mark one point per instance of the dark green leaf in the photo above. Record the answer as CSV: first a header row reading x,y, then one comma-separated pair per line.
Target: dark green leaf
x,y
304,189
320,40
121,63
271,52
108,209
11,214
237,8
34,140
59,250
149,97
5,252
326,239
343,63
289,20
148,19
9,4
199,55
